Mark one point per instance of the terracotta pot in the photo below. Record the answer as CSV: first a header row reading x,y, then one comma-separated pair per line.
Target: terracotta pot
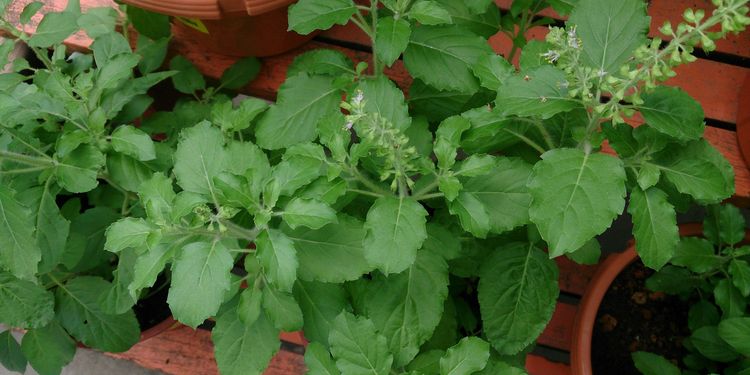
x,y
165,325
231,27
743,121
583,327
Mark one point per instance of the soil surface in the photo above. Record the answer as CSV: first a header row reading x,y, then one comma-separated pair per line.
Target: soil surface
x,y
632,318
153,309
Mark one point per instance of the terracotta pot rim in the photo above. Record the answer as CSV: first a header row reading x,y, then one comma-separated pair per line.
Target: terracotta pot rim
x,y
165,325
608,270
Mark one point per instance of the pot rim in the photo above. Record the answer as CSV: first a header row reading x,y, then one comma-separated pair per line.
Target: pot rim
x,y
608,270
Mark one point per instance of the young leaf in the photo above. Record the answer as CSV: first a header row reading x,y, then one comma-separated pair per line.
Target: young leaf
x,y
724,224
381,95
429,12
407,307
148,266
153,53
20,254
23,303
321,62
333,253
575,197
672,279
134,142
535,92
80,313
517,294
302,101
697,169
48,349
740,271
278,257
674,112
736,332
54,28
51,227
318,361
696,254
467,357
150,24
472,214
588,253
443,57
652,364
395,230
77,171
128,232
729,299
11,356
240,73
307,16
310,213
200,277
108,46
200,156
654,226
357,346
708,343
391,39
492,71
116,71
609,32
188,79
282,309
98,21
156,196
241,348
320,303
701,314
484,23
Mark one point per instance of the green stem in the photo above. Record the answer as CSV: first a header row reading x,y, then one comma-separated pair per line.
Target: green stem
x,y
366,192
240,232
26,159
429,188
377,69
365,181
428,196
23,170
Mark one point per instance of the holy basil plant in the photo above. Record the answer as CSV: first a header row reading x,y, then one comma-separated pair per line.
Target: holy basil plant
x,y
713,273
71,162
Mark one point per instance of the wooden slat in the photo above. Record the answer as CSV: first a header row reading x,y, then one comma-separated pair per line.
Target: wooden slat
x,y
559,331
671,10
537,365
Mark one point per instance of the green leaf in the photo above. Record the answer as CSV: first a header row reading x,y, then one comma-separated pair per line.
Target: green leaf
x,y
108,46
326,191
128,232
127,172
98,21
29,11
282,309
381,95
502,195
307,16
724,224
77,171
588,254
24,304
492,70
83,250
301,164
697,169
517,295
429,12
485,23
701,314
672,111
200,277
310,213
652,364
609,32
51,227
116,71
200,156
472,214
19,252
249,307
156,196
740,271
395,230
80,313
319,361
476,165
407,307
320,303
148,266
654,226
153,53
278,257
302,101
443,57
538,92
320,62
736,333
729,299
671,279
134,142
575,197
391,39
48,349
470,355
243,349
708,343
240,73
188,79
11,356
150,24
696,254
333,253
358,348
54,28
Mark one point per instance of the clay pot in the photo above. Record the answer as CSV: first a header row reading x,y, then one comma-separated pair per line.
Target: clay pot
x,y
583,327
166,325
743,121
231,27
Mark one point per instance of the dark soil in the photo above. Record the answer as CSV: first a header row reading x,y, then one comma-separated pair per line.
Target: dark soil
x,y
153,309
632,318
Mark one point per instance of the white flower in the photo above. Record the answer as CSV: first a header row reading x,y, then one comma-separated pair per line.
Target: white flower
x,y
551,56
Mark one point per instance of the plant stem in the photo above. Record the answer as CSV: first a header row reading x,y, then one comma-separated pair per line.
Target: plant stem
x,y
365,181
377,69
366,192
26,159
428,196
240,232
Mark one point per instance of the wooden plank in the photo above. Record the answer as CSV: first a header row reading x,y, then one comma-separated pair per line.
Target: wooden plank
x,y
559,331
537,365
184,351
671,10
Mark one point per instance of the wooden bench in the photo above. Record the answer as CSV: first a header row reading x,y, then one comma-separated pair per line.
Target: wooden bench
x,y
714,80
